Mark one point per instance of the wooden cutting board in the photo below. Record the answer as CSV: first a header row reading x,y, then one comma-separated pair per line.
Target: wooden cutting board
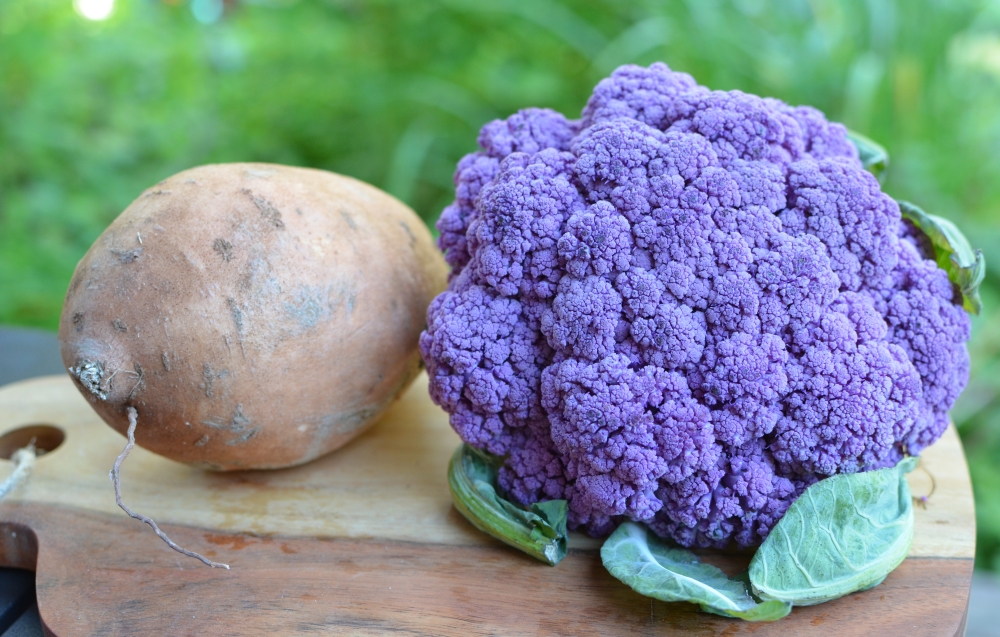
x,y
365,542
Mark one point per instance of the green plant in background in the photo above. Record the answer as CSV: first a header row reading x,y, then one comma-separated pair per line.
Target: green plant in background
x,y
391,91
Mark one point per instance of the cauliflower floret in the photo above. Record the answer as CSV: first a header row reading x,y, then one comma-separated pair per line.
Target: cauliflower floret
x,y
685,308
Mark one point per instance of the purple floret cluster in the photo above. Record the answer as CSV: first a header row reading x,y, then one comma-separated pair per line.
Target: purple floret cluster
x,y
684,308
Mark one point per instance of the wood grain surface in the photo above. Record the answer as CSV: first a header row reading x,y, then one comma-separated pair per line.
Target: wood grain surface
x,y
365,542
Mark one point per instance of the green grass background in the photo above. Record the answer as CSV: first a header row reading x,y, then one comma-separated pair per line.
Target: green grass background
x,y
394,91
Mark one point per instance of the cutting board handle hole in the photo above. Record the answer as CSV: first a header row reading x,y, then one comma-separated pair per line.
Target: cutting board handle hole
x,y
46,438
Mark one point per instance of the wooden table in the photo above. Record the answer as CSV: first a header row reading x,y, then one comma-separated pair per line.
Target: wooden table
x,y
365,542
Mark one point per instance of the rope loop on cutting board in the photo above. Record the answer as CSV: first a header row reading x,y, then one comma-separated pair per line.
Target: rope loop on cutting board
x,y
24,462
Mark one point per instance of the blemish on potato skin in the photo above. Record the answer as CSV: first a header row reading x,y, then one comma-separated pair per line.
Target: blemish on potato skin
x,y
201,442
343,293
140,382
74,284
266,208
349,219
352,300
91,375
243,438
307,308
343,422
409,233
119,325
78,321
258,280
237,314
208,377
224,248
240,424
127,256
166,361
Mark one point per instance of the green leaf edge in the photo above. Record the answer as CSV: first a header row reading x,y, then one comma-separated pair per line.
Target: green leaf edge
x,y
765,611
770,610
965,266
863,578
539,531
874,157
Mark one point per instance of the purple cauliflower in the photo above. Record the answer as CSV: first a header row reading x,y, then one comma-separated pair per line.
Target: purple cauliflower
x,y
684,308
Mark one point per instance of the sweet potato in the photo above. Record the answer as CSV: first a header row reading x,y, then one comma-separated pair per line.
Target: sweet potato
x,y
256,316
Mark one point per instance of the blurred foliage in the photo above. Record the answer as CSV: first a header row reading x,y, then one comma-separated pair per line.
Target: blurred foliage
x,y
394,91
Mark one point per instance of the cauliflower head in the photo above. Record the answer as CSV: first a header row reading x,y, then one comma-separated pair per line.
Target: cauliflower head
x,y
684,308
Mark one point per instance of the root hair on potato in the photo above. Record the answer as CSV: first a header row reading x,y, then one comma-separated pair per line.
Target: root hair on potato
x,y
140,381
115,476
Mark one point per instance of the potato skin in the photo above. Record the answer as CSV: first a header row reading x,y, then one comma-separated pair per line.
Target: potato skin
x,y
256,316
